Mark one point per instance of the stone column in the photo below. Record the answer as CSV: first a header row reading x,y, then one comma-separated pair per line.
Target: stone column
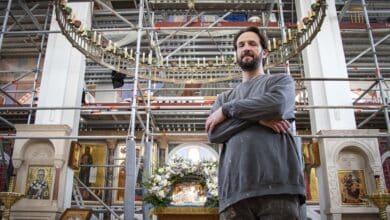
x,y
61,85
325,58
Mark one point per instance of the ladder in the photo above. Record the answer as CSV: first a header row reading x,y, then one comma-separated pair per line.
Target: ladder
x,y
77,194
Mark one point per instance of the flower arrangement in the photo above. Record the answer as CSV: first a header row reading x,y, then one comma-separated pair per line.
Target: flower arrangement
x,y
159,185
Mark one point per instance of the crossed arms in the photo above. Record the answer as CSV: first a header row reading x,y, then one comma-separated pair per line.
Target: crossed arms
x,y
272,109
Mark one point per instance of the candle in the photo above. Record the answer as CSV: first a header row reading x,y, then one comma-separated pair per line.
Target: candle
x,y
81,29
185,61
223,59
284,37
198,62
99,39
125,52
235,58
167,61
150,57
179,61
131,53
269,45
289,34
143,57
114,48
94,37
299,27
274,41
109,45
204,61
216,60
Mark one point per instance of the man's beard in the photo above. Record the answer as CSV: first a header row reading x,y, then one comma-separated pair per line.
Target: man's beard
x,y
250,65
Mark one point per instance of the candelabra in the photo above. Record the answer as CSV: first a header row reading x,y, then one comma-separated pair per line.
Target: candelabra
x,y
380,198
9,198
103,51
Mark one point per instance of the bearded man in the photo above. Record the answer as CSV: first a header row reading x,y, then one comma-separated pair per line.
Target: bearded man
x,y
260,175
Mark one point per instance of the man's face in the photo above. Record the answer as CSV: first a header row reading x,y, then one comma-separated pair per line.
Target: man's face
x,y
249,51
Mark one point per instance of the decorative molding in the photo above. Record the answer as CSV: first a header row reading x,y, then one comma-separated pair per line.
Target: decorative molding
x,y
40,155
334,190
17,162
58,163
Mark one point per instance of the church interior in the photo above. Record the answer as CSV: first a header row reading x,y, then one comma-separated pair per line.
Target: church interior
x,y
98,95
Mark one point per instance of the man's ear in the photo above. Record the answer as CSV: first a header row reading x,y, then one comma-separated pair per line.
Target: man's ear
x,y
264,53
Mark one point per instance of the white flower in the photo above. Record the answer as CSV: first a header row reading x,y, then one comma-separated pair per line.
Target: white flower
x,y
157,178
161,181
161,193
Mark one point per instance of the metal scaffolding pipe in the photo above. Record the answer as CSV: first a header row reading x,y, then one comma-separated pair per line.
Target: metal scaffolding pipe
x,y
22,17
184,25
10,97
197,35
369,118
115,13
133,29
367,50
5,22
130,143
23,5
34,88
183,107
97,197
344,9
90,137
15,80
189,134
7,122
383,96
365,92
302,136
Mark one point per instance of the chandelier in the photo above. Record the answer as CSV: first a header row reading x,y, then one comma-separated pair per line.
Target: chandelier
x,y
94,46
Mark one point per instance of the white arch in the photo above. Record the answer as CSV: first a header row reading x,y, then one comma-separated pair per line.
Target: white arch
x,y
385,156
353,144
185,145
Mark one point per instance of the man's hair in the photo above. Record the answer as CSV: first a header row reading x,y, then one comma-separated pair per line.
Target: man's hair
x,y
262,38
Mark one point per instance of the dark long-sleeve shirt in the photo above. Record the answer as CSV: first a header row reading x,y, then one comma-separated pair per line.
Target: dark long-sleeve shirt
x,y
255,160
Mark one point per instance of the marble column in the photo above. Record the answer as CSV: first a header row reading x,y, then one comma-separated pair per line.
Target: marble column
x,y
324,58
61,86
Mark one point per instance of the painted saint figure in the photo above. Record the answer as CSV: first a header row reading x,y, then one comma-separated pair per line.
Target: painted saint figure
x,y
86,159
39,188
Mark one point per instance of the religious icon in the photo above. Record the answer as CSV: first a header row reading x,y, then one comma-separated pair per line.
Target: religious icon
x,y
352,187
91,172
74,155
39,182
188,193
79,213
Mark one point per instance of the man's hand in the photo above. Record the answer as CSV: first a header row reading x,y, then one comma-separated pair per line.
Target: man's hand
x,y
214,119
279,126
